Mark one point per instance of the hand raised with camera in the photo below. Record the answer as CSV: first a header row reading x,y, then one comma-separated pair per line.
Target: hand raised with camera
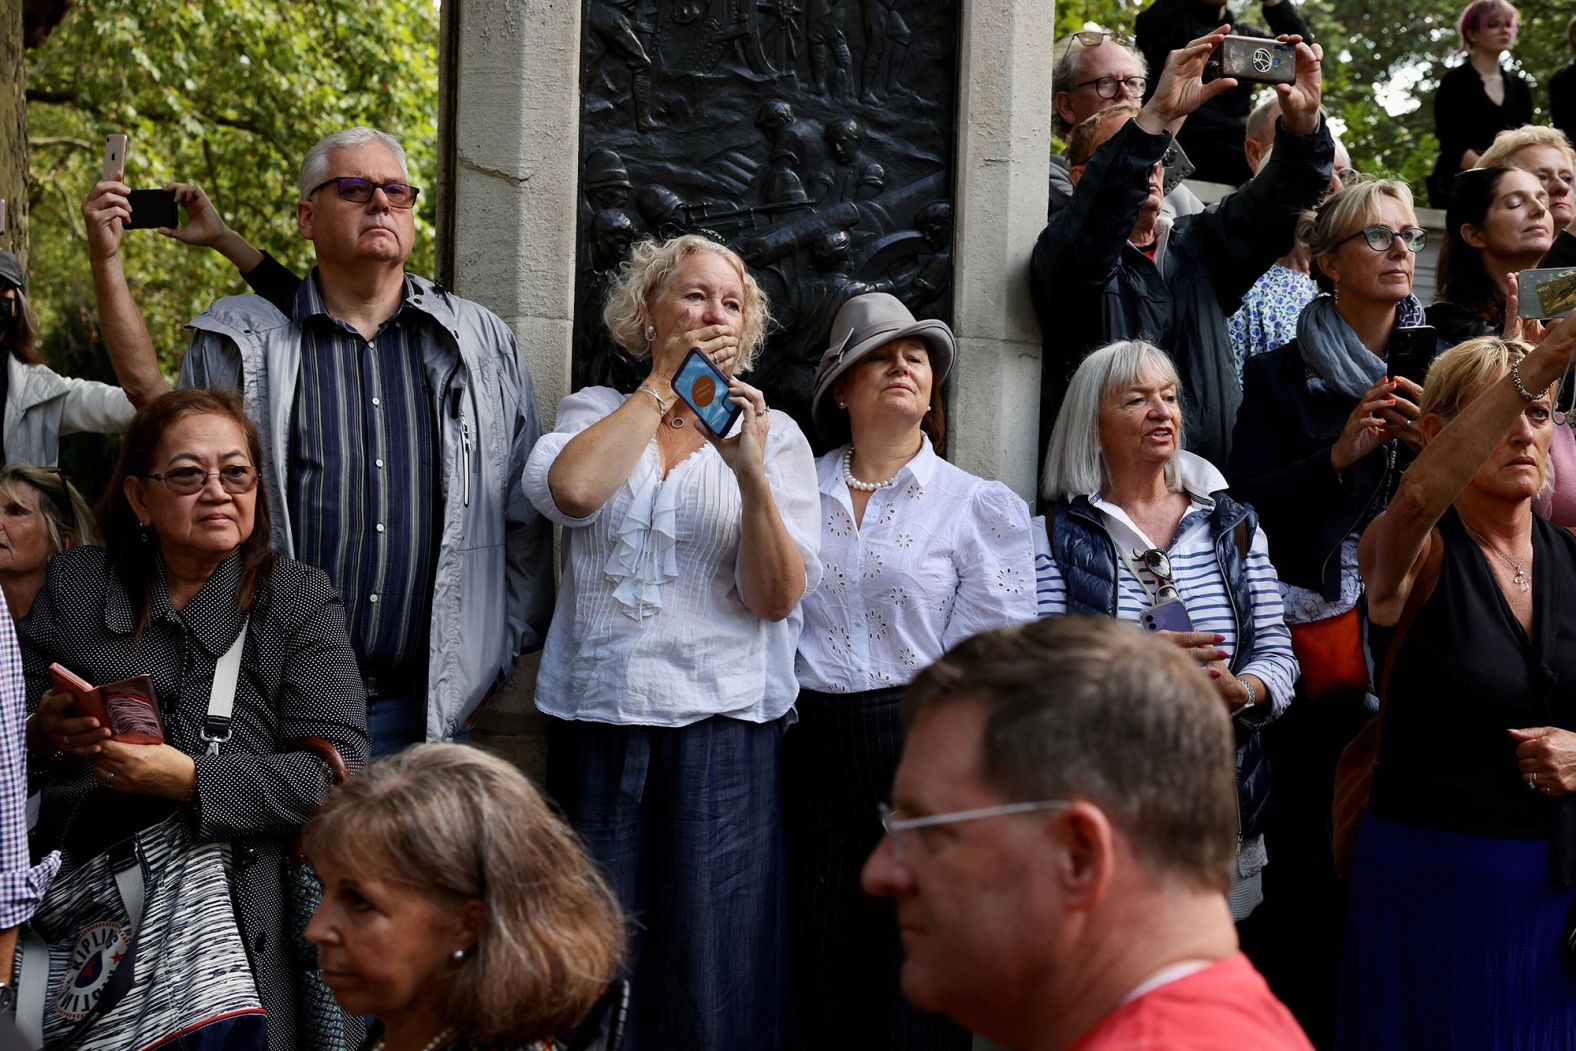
x,y
1516,326
720,342
1301,99
1181,88
106,210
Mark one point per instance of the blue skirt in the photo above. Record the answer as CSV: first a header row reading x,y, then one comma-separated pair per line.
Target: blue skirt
x,y
1455,941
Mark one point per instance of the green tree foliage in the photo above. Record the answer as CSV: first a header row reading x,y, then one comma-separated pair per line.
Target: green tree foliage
x,y
225,93
1384,55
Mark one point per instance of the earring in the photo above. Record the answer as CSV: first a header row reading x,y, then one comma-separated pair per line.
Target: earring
x,y
842,405
651,333
458,954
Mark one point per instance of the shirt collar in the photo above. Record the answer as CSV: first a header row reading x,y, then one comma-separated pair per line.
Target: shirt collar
x,y
1200,479
211,616
309,302
921,468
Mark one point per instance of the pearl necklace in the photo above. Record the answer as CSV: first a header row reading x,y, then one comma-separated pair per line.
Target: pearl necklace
x,y
431,1045
854,483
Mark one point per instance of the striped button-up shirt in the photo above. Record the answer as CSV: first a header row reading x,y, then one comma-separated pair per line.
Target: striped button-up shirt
x,y
363,480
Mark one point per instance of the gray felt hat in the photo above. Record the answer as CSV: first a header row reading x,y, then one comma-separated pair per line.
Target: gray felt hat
x,y
870,321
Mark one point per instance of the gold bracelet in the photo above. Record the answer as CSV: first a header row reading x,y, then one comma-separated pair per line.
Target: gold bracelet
x,y
646,388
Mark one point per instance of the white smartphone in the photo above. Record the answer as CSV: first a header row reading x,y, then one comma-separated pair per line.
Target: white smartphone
x,y
114,156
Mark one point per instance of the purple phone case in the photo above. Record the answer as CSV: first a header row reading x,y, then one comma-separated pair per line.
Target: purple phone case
x,y
1167,616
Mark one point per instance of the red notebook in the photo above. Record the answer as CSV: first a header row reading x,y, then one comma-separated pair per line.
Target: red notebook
x,y
128,707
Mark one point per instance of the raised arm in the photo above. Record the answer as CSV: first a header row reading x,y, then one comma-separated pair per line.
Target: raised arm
x,y
206,228
1396,542
131,351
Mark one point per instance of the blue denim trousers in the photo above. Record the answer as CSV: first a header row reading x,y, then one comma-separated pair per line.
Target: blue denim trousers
x,y
686,825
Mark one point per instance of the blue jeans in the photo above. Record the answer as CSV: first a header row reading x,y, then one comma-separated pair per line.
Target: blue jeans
x,y
686,825
396,723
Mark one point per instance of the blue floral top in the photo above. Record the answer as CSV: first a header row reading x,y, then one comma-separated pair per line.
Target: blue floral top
x,y
1268,316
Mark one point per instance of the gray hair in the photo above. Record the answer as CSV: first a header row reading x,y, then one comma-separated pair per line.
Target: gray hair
x,y
1092,708
1261,122
1064,72
314,168
1074,461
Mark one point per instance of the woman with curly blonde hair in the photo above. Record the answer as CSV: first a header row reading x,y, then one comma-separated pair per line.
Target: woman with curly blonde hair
x,y
668,674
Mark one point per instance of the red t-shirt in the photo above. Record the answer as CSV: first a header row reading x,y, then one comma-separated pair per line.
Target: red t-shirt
x,y
1225,1007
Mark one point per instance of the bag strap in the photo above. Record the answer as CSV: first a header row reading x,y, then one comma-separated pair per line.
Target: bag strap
x,y
221,699
1422,590
129,868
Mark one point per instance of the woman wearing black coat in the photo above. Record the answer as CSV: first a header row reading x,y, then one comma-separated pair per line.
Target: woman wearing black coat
x,y
1326,426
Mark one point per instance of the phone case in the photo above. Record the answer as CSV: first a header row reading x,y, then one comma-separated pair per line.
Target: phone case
x,y
1547,293
704,389
1259,60
1166,616
114,156
1415,347
151,209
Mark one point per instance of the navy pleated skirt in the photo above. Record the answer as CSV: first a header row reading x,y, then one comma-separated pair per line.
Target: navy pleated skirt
x,y
1455,942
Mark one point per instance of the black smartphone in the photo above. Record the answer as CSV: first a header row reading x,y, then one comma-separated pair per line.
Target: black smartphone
x,y
704,388
1176,167
151,209
1256,59
1170,615
1412,350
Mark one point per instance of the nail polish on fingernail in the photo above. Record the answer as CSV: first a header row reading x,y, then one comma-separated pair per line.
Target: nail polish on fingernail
x,y
1213,674
1220,655
1220,638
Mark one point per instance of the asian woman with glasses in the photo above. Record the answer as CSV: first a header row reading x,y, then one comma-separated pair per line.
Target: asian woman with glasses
x,y
1135,520
186,578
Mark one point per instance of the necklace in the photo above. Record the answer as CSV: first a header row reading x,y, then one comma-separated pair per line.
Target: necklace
x,y
1521,580
854,483
431,1045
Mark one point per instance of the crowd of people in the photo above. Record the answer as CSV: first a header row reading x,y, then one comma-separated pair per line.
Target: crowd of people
x,y
846,746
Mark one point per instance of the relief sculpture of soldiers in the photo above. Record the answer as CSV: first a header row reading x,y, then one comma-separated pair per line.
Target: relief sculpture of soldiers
x,y
814,137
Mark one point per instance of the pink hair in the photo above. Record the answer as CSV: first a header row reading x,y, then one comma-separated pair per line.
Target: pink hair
x,y
1472,18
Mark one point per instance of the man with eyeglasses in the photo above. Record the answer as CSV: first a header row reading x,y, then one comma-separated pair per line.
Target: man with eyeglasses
x,y
396,421
1213,134
1095,70
1110,266
1061,835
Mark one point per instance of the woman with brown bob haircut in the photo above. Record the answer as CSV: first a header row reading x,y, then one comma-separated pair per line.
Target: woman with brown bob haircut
x,y
456,907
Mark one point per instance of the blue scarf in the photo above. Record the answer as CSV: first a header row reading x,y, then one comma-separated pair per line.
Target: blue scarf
x,y
1332,352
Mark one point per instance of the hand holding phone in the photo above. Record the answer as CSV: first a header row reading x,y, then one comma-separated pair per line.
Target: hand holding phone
x,y
114,157
702,386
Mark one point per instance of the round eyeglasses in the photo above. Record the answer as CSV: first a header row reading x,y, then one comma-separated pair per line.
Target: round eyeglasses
x,y
359,191
1110,87
184,481
1380,238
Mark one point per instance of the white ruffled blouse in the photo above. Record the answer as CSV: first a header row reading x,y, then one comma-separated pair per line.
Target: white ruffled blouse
x,y
940,555
649,627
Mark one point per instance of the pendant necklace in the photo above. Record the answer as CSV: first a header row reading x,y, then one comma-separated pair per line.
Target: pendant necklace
x,y
1521,580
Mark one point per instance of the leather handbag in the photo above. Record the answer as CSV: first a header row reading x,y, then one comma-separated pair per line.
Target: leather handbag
x,y
1354,774
1330,654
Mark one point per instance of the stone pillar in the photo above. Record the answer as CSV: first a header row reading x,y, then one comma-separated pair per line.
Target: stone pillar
x,y
1004,134
510,88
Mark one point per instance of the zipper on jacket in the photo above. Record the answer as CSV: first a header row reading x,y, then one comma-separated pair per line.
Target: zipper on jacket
x,y
465,449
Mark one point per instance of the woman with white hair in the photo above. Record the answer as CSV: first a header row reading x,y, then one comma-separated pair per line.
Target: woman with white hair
x,y
1142,530
668,674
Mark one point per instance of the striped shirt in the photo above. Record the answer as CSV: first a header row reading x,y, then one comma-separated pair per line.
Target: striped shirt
x,y
363,482
1197,576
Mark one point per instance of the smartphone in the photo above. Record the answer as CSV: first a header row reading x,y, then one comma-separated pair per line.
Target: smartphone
x,y
1170,615
1546,293
1175,167
1256,59
151,209
704,388
1412,350
114,156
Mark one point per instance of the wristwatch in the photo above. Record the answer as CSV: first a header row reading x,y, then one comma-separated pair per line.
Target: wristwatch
x,y
1253,697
